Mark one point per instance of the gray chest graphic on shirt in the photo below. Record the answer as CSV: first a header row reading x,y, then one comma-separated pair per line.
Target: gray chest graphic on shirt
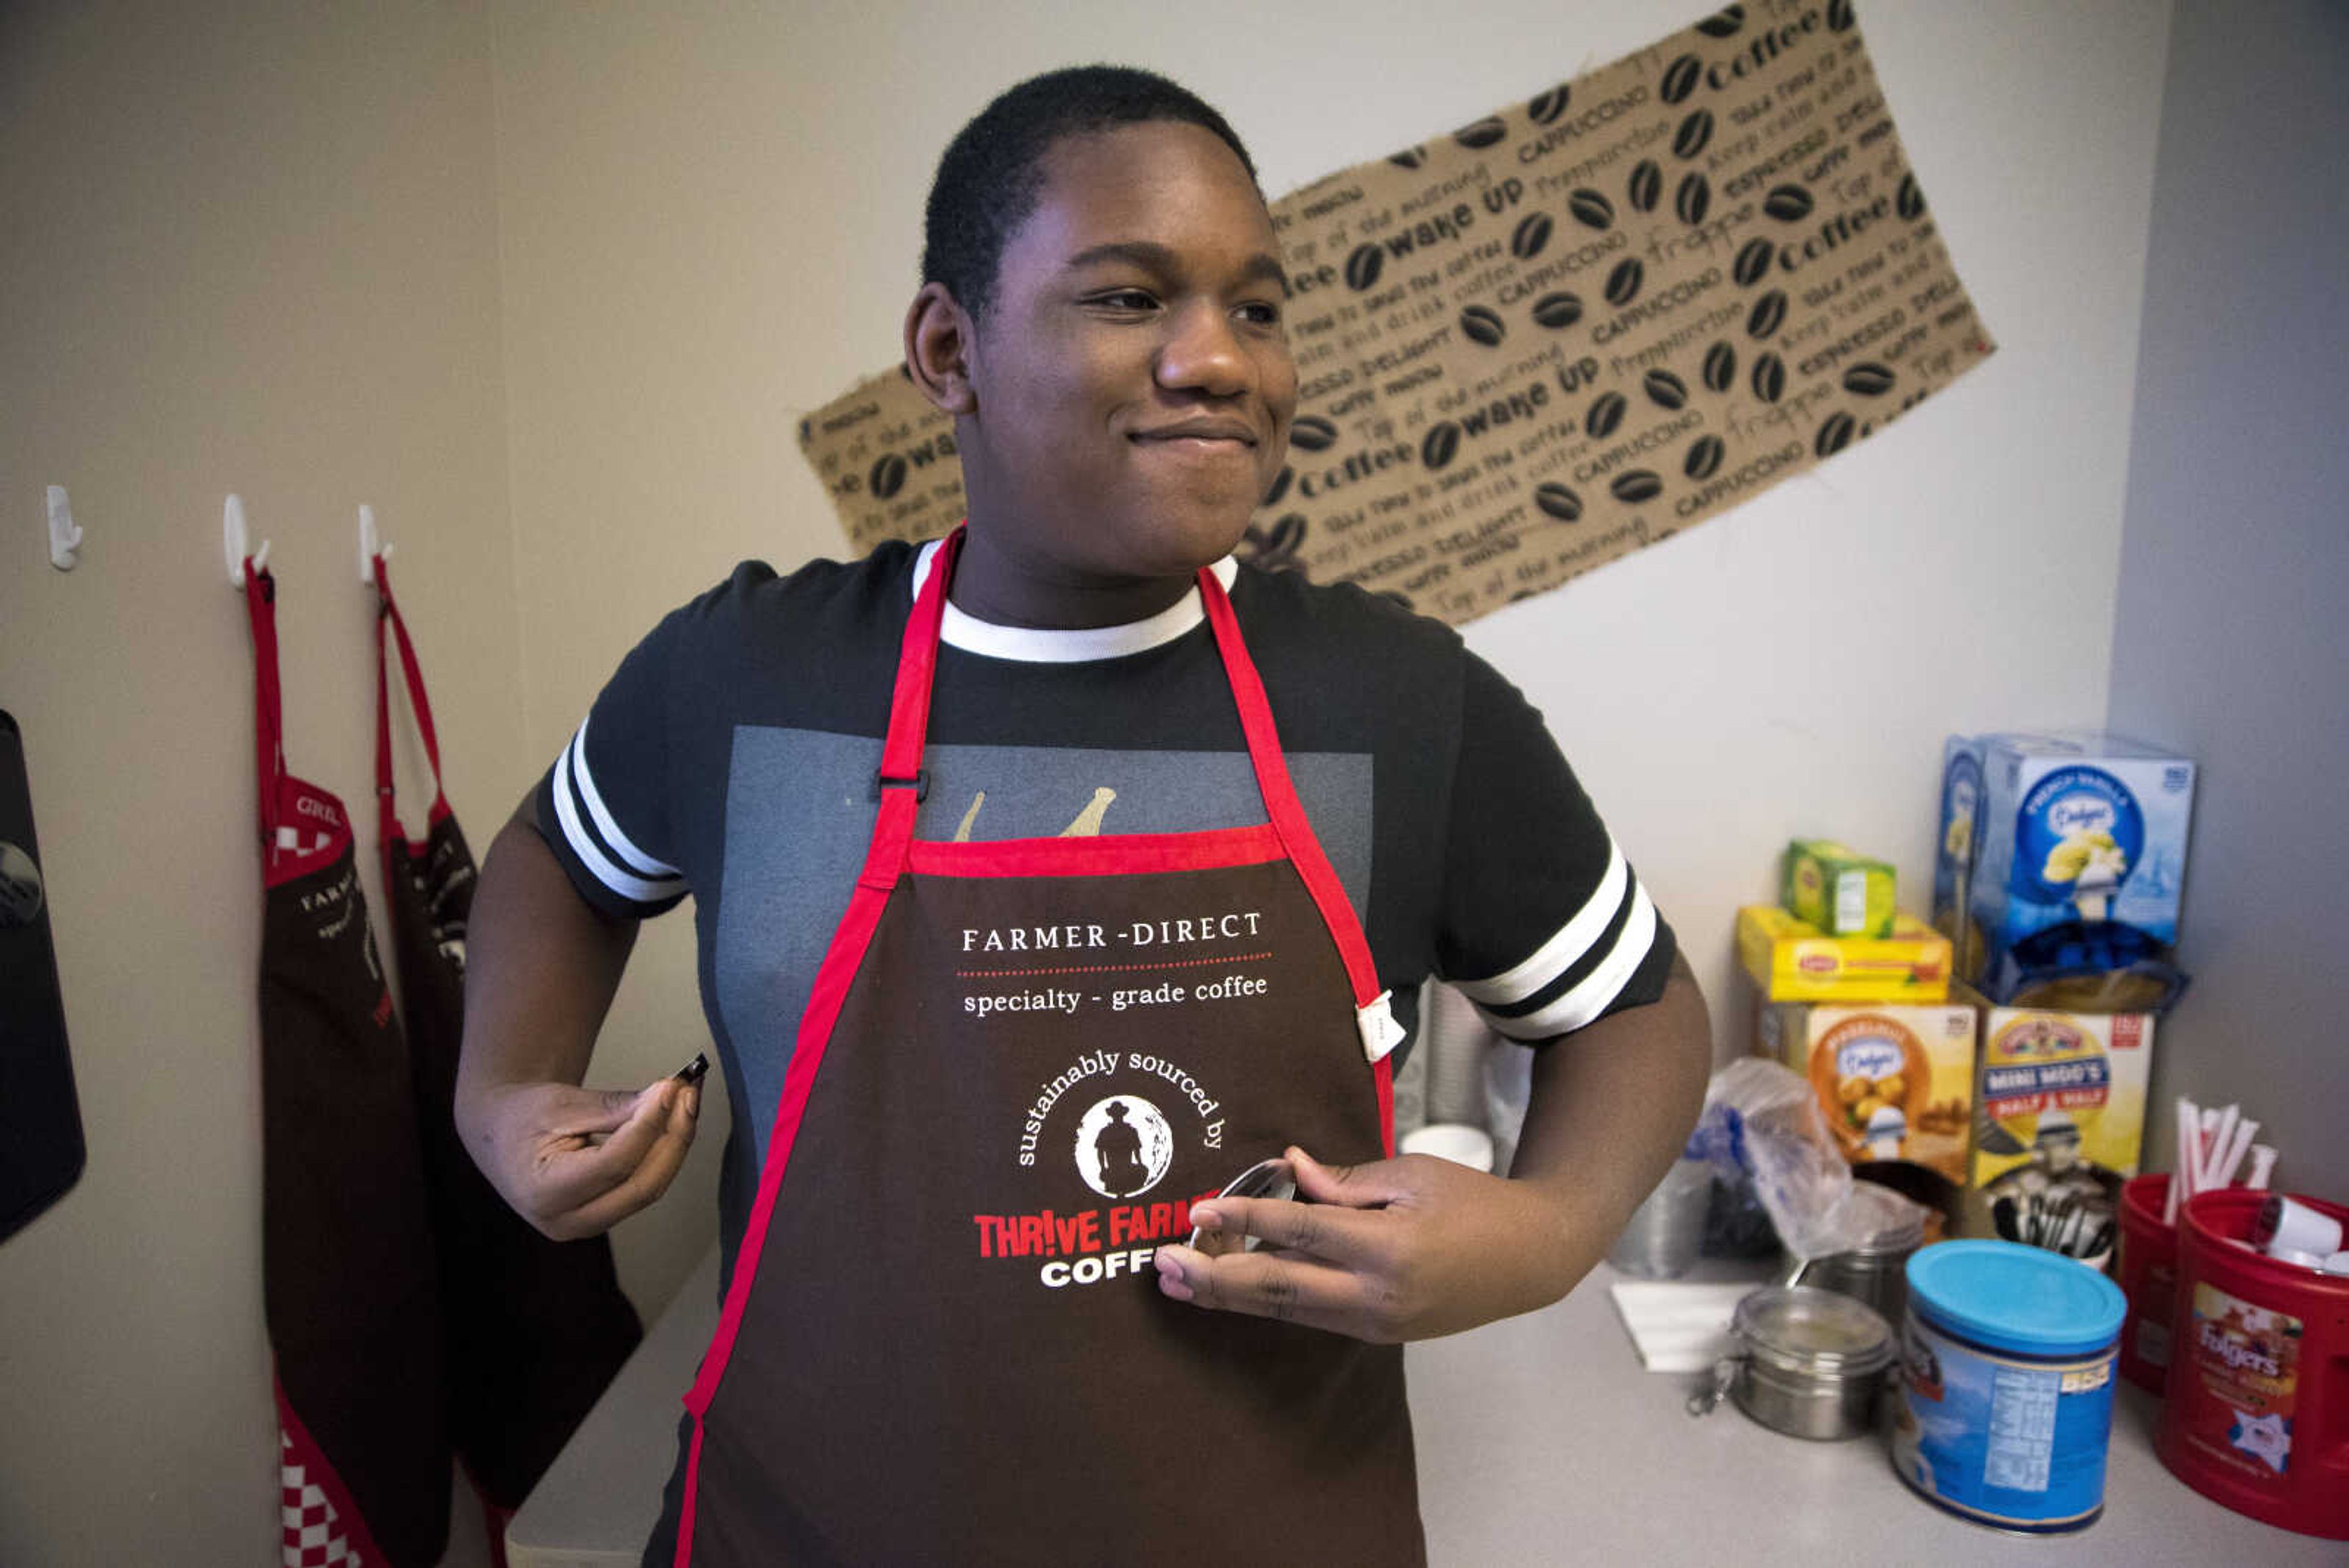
x,y
798,815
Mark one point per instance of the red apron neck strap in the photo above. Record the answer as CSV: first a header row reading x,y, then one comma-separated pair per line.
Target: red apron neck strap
x,y
387,613
1280,802
268,699
902,782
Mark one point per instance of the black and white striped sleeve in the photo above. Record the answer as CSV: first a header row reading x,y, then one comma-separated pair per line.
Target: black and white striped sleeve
x,y
605,806
1547,927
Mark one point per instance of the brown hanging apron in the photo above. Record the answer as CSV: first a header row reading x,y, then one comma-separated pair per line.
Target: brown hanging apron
x,y
535,1328
349,1280
1020,1064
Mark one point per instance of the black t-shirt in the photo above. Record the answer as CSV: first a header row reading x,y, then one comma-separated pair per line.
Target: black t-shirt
x,y
733,755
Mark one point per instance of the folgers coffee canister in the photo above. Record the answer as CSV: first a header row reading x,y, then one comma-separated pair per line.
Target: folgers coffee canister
x,y
2258,1413
2005,1404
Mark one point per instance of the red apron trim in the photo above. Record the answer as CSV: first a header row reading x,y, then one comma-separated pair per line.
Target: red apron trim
x,y
692,1489
1122,853
303,1458
1280,795
838,972
302,827
387,613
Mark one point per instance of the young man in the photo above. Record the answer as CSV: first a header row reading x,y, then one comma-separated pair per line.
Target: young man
x,y
1048,879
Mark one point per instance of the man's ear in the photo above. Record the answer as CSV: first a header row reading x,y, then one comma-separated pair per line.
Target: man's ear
x,y
939,339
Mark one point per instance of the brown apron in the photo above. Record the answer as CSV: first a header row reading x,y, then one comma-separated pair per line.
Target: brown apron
x,y
1020,1064
534,1328
347,1262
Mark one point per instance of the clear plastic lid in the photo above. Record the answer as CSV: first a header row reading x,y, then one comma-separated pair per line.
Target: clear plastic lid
x,y
1814,1331
1894,1223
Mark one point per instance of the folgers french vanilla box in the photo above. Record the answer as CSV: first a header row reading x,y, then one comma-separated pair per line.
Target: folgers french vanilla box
x,y
2054,844
1896,1082
2059,1105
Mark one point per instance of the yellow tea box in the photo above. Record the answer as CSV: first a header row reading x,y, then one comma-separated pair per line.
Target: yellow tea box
x,y
1792,961
1896,1082
2059,1102
1835,888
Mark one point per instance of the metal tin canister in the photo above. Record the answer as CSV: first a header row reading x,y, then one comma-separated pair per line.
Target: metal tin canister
x,y
2004,1413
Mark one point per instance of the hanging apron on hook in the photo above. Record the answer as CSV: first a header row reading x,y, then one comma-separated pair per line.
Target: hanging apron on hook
x,y
535,1328
349,1275
943,1341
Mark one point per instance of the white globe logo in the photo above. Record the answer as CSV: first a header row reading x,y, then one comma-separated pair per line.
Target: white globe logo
x,y
20,887
1123,1147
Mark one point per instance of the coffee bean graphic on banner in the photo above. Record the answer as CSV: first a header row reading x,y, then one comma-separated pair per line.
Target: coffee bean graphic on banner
x,y
1834,435
1684,259
1725,23
1646,186
1681,78
1440,445
1606,414
1482,324
1694,132
1720,367
1558,501
1275,549
1311,432
1692,198
1558,310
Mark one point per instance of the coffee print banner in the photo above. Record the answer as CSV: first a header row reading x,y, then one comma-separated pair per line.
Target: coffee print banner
x,y
1562,333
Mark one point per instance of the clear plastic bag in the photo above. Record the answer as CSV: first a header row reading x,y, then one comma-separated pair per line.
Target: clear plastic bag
x,y
1764,1133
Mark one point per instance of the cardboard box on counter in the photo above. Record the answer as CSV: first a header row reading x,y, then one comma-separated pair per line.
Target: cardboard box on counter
x,y
2059,1103
1791,960
1896,1081
2048,835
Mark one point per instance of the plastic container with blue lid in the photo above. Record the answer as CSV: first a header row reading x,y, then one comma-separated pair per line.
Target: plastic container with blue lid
x,y
2005,1411
2025,1300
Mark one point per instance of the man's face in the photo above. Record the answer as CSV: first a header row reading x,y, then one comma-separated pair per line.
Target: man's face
x,y
1132,381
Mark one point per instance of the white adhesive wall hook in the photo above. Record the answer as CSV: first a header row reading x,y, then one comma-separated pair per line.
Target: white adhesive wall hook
x,y
234,538
64,537
370,545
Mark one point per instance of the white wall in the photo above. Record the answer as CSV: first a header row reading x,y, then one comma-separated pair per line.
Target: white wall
x,y
2235,567
248,248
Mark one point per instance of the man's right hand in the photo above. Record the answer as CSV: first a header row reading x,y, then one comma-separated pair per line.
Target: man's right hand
x,y
574,1162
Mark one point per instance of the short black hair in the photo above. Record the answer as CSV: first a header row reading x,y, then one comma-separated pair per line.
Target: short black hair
x,y
992,173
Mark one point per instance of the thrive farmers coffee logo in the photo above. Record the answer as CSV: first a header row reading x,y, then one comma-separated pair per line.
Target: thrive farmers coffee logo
x,y
1565,330
1140,1110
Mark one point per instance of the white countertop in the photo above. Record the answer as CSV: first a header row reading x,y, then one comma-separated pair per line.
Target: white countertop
x,y
1541,1441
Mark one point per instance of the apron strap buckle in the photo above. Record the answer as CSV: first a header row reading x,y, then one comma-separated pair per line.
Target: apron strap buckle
x,y
919,783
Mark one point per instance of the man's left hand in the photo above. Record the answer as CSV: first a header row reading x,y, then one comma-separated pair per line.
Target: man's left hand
x,y
1398,1249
